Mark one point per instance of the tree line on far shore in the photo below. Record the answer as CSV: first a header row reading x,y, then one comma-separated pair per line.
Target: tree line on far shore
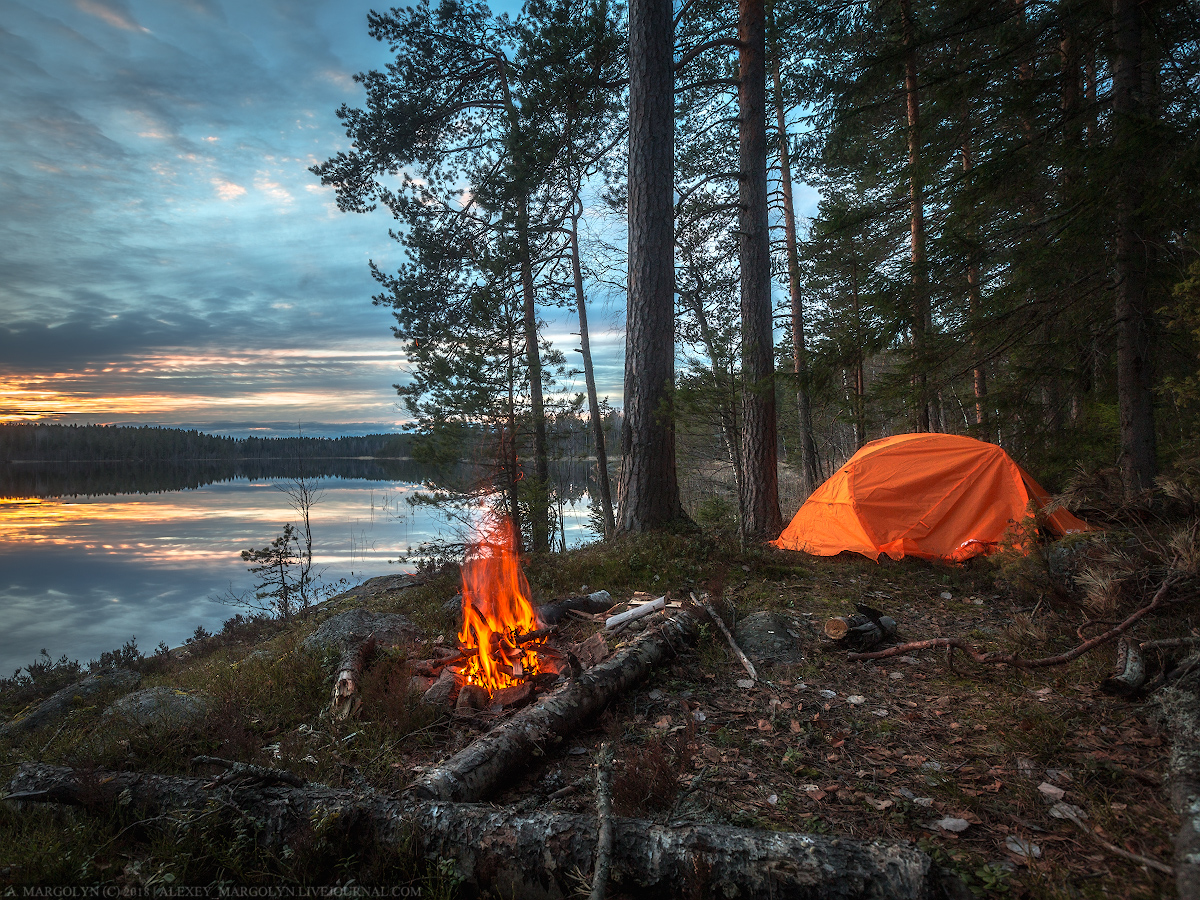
x,y
105,443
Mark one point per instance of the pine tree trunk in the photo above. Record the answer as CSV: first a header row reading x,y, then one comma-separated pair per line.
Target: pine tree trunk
x,y
760,516
539,499
979,378
589,376
809,475
916,205
1132,307
649,489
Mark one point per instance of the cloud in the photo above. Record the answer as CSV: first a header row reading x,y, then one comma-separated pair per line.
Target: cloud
x,y
115,14
227,190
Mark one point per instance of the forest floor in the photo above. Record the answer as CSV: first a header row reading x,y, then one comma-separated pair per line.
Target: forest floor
x,y
965,760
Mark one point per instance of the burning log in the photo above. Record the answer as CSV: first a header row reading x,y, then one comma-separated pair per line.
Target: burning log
x,y
473,772
511,853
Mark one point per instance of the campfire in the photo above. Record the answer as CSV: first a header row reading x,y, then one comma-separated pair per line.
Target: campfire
x,y
499,637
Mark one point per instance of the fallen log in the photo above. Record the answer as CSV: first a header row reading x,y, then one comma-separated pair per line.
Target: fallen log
x,y
472,773
513,854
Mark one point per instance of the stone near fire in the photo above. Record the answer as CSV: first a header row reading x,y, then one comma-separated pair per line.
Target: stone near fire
x,y
517,695
419,684
592,651
444,690
472,697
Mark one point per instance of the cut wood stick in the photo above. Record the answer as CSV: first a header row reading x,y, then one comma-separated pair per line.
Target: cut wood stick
x,y
1061,811
636,613
720,623
511,853
604,829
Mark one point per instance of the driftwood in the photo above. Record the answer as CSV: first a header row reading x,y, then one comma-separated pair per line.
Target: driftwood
x,y
997,657
742,658
472,773
514,854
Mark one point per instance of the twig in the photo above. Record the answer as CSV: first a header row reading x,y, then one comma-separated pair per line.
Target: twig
x,y
604,814
1009,659
720,623
1064,812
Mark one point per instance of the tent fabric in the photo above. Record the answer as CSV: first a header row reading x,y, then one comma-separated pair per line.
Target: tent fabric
x,y
933,496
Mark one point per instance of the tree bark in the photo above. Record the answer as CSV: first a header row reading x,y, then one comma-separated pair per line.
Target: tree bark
x,y
513,854
916,207
649,495
589,377
539,500
760,516
1132,306
809,473
475,771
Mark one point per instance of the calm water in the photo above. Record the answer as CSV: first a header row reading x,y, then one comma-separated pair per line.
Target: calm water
x,y
80,574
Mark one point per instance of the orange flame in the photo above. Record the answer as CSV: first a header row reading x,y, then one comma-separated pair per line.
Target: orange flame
x,y
496,610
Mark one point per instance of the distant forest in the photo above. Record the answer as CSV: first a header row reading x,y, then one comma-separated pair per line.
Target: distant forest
x,y
113,443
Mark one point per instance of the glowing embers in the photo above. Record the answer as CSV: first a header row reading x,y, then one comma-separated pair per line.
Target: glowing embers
x,y
499,623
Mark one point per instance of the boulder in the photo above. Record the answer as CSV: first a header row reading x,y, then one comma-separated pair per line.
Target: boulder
x,y
161,709
55,707
348,629
771,637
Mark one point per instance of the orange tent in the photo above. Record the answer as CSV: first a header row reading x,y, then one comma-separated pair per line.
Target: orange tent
x,y
936,496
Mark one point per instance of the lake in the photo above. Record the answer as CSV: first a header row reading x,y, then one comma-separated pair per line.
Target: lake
x,y
82,571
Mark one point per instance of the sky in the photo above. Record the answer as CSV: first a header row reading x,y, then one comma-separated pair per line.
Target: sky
x,y
166,257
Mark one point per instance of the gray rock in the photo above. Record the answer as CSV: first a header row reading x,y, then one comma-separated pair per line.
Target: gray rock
x,y
772,637
354,626
160,709
390,583
56,706
443,690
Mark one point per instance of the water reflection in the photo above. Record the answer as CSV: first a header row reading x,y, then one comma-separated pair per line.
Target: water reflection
x,y
80,574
